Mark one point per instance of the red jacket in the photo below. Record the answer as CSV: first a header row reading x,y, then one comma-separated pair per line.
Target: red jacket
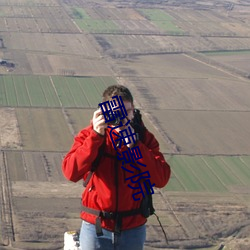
x,y
101,191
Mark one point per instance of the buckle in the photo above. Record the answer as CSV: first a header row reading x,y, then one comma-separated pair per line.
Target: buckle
x,y
107,215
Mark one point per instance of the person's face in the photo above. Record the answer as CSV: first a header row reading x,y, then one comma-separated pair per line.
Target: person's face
x,y
130,111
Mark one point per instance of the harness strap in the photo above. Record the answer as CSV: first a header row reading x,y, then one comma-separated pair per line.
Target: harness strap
x,y
96,162
110,215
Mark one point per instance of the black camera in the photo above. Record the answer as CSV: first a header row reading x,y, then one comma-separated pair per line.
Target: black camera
x,y
114,120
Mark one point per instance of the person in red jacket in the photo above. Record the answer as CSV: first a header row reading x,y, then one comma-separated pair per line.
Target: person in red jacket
x,y
112,217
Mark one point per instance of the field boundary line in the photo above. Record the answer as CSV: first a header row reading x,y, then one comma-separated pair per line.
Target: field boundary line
x,y
197,177
79,29
182,184
80,85
248,167
5,93
65,115
214,172
42,88
43,52
142,110
174,147
27,89
174,213
54,87
69,89
70,18
206,110
7,207
217,67
96,84
25,168
232,171
13,89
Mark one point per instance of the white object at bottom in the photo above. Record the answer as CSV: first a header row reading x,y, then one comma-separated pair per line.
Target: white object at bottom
x,y
71,240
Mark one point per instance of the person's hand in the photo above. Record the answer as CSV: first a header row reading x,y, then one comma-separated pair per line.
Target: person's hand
x,y
131,144
99,124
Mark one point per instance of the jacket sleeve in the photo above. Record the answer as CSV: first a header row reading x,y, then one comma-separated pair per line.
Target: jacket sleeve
x,y
84,150
154,160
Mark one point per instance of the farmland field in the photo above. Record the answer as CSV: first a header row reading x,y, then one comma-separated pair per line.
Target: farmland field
x,y
236,59
162,20
51,44
111,20
23,166
56,54
33,121
209,173
208,22
197,86
97,25
216,132
224,43
9,137
55,91
50,25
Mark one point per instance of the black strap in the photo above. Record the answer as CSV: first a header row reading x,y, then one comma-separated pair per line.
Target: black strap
x,y
138,125
86,181
98,227
110,215
95,164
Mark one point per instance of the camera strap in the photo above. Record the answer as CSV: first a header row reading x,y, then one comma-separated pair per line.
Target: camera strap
x,y
95,164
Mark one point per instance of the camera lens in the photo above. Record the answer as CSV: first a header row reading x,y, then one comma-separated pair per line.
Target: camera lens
x,y
116,121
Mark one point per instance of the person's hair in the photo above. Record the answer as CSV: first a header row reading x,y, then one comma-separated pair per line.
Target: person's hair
x,y
118,90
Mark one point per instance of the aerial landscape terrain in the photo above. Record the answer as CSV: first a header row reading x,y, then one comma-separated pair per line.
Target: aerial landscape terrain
x,y
187,63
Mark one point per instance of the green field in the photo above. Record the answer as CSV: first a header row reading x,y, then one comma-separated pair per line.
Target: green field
x,y
156,15
79,13
55,91
87,23
208,173
161,19
92,25
226,53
